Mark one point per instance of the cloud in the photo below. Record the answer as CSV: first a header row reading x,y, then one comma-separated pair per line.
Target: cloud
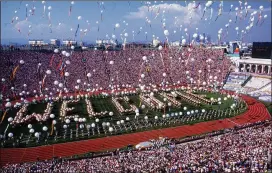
x,y
188,14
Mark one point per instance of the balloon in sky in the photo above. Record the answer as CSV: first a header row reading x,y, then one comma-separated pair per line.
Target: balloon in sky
x,y
195,35
117,25
208,4
79,17
183,42
166,32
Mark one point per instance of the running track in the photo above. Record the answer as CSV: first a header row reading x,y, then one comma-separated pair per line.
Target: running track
x,y
256,112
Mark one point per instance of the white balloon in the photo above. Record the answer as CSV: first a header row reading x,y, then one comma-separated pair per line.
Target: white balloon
x,y
160,48
79,18
142,75
10,135
166,32
49,8
183,41
209,3
36,134
10,119
89,75
195,35
22,61
111,62
117,25
8,104
144,58
56,51
66,74
31,131
48,72
126,34
60,85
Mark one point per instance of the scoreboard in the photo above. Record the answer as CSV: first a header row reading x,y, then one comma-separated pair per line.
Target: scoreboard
x,y
262,50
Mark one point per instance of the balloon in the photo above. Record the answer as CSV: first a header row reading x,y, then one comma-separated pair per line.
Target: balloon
x,y
144,58
22,61
89,75
126,34
142,75
48,72
72,2
183,42
117,25
68,62
237,28
265,16
79,18
49,8
66,74
10,135
111,62
52,116
10,119
37,134
160,48
208,4
8,104
195,35
166,32
56,51
249,7
261,7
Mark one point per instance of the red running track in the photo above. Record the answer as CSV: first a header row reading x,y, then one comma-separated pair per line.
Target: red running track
x,y
256,112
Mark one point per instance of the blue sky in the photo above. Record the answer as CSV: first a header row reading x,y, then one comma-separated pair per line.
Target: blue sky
x,y
131,16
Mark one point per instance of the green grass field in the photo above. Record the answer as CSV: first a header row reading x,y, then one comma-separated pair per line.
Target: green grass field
x,y
101,104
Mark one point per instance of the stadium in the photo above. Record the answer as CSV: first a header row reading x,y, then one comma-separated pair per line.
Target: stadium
x,y
123,105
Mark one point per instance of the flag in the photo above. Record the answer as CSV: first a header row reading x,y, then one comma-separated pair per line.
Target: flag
x,y
51,61
70,11
77,30
3,117
14,72
52,128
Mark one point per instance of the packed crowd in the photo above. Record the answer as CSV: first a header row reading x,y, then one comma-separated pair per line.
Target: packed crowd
x,y
244,150
95,69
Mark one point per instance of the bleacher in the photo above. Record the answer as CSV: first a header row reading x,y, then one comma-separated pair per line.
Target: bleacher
x,y
235,80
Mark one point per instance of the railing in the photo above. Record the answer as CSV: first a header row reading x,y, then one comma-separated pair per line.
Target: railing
x,y
246,81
